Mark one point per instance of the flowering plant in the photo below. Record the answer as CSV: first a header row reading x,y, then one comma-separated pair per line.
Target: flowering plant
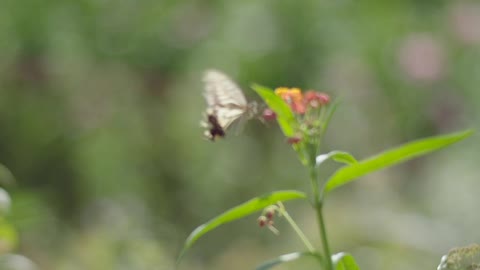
x,y
303,119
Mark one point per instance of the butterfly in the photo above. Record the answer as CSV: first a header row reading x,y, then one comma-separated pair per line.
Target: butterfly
x,y
226,104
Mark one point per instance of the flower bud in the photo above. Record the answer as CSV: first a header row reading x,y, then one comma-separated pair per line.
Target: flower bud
x,y
262,221
316,99
293,140
270,212
298,108
269,115
324,98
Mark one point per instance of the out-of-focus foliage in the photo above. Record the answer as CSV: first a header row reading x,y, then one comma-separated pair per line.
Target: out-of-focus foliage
x,y
461,258
8,234
344,261
16,262
9,237
247,208
100,102
392,157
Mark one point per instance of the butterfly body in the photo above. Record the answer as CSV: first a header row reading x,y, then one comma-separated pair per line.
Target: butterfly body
x,y
226,104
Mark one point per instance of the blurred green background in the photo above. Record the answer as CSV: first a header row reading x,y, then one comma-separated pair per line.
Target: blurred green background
x,y
100,103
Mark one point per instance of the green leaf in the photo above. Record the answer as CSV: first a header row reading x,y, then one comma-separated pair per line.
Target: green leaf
x,y
285,117
344,261
461,258
331,110
240,211
288,258
338,156
8,237
391,157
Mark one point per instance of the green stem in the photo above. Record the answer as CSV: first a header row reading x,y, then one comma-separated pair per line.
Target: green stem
x,y
295,227
318,204
323,231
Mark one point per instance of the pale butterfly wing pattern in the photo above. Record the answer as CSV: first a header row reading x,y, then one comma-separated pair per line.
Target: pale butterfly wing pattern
x,y
220,90
226,116
225,99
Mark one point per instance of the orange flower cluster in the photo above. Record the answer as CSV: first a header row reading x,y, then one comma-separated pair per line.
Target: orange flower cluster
x,y
293,97
300,102
304,105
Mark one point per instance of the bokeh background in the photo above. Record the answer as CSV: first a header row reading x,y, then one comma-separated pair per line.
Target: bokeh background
x,y
100,103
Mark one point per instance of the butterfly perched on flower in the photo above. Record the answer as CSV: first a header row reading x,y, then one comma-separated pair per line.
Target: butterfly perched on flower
x,y
226,104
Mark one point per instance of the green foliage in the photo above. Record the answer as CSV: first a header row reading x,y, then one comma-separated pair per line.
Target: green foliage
x,y
254,205
306,148
285,117
344,261
311,123
100,103
6,177
391,157
8,237
338,156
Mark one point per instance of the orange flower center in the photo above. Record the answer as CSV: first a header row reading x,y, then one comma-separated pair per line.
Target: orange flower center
x,y
293,97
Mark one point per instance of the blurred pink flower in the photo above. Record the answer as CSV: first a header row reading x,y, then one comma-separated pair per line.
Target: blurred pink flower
x,y
269,115
465,20
422,58
315,99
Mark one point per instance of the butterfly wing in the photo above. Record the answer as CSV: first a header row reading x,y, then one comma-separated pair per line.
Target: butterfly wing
x,y
226,102
227,116
221,91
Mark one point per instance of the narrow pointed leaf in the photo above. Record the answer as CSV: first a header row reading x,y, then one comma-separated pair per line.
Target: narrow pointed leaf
x,y
331,110
338,156
285,117
240,211
288,258
391,157
344,261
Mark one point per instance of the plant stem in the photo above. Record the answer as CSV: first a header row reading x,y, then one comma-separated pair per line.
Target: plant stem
x,y
318,205
323,233
295,227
